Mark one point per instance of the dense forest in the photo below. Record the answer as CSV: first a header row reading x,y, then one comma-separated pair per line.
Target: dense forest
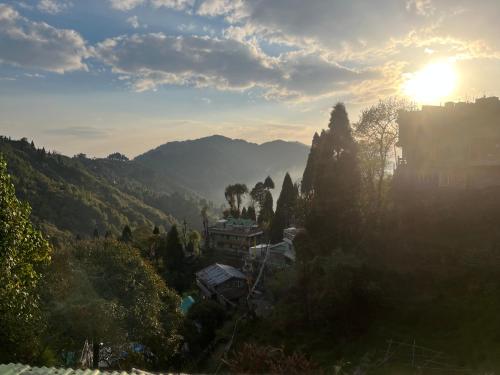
x,y
387,279
79,195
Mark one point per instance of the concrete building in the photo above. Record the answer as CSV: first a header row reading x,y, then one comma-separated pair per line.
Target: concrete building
x,y
234,235
280,255
452,146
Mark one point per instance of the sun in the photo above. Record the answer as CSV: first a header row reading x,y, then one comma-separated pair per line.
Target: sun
x,y
433,83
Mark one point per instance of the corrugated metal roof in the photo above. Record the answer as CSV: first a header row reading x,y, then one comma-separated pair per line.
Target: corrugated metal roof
x,y
18,369
217,274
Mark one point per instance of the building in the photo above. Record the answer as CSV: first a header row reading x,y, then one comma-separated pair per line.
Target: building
x,y
234,235
223,283
280,255
452,146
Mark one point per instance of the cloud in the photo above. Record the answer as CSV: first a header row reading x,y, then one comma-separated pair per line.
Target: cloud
x,y
126,5
38,45
134,22
157,59
53,6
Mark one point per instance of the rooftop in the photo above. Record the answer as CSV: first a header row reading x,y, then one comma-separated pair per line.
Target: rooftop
x,y
217,274
18,369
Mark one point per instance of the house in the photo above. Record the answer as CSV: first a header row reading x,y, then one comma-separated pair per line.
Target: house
x,y
234,236
280,255
223,283
455,146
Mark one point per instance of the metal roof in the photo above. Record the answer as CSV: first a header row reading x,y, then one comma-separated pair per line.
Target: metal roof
x,y
217,274
18,369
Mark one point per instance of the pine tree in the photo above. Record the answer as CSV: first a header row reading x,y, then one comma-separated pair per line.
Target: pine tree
x,y
285,210
266,213
173,255
251,213
126,234
334,213
308,176
269,183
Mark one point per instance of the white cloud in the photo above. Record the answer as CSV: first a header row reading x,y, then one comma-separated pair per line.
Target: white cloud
x,y
126,5
153,60
38,45
134,22
53,6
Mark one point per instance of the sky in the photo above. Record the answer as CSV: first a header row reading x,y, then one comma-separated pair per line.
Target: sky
x,y
103,76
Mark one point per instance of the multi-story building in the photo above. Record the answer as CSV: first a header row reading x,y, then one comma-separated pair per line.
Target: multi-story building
x,y
234,235
452,146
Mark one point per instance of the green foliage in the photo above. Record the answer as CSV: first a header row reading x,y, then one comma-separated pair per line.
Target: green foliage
x,y
24,253
209,315
104,291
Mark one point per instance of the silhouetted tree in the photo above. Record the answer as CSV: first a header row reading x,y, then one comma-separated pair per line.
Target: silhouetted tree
x,y
251,213
334,214
269,183
285,210
377,130
126,234
309,172
173,255
266,213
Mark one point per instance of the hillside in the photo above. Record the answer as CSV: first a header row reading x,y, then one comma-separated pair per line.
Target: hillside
x,y
207,165
78,194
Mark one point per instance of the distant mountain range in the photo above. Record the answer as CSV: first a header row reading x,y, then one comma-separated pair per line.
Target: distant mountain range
x,y
166,185
207,165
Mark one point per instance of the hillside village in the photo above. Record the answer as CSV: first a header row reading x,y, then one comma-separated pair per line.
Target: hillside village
x,y
348,259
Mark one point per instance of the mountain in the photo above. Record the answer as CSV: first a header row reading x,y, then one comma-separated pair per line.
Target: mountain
x,y
166,185
207,165
78,194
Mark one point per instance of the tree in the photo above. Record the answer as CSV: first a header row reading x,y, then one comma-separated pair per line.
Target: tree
x,y
230,196
285,209
309,172
334,214
118,157
105,291
173,255
95,234
234,196
126,234
24,253
266,213
258,194
269,183
377,130
251,213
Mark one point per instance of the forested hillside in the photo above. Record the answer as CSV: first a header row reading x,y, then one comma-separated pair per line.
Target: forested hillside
x,y
207,165
80,195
